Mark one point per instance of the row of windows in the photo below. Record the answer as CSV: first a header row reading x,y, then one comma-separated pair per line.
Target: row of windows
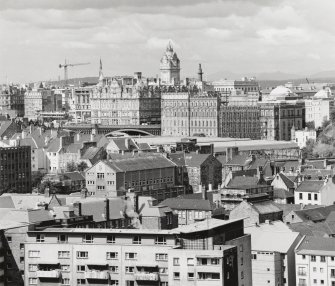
x,y
89,238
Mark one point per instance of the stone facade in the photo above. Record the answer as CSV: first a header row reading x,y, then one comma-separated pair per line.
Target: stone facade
x,y
170,67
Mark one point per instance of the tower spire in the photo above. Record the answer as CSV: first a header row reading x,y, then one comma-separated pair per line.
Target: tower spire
x,y
200,73
101,76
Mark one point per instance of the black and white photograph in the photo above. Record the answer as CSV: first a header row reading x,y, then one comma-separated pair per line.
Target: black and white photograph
x,y
167,143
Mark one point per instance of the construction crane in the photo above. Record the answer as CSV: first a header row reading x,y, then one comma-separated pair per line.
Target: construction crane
x,y
66,65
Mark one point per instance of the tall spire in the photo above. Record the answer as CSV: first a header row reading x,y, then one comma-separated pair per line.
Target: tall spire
x,y
101,76
169,47
200,73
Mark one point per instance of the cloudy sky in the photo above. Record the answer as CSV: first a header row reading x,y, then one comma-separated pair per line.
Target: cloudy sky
x,y
242,36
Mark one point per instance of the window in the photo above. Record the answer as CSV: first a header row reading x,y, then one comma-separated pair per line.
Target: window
x,y
215,261
176,275
81,268
63,254
114,282
322,258
176,261
315,281
321,270
303,256
190,261
161,257
322,282
267,269
313,258
65,281
163,270
130,283
65,267
21,259
62,238
32,281
309,196
160,240
82,254
110,239
300,196
208,276
81,281
114,269
100,175
164,284
314,269
40,238
131,255
190,276
9,239
33,253
129,269
111,255
88,238
332,272
137,240
21,246
254,256
32,267
315,197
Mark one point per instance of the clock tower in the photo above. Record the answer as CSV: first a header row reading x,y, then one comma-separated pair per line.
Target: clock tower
x,y
170,67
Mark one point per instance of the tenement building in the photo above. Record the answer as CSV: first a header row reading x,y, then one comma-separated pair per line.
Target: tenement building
x,y
146,175
187,111
12,101
280,111
211,252
79,103
121,101
245,85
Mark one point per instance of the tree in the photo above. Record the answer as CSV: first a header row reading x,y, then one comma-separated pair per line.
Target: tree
x,y
310,125
82,166
308,151
332,117
325,123
71,166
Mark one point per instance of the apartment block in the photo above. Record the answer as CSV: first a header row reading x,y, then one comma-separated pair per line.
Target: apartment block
x,y
315,261
206,253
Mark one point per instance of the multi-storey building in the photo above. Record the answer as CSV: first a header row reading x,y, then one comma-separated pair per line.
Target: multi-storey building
x,y
12,101
272,251
187,111
79,103
15,169
212,252
170,67
240,121
228,86
152,175
318,108
315,261
124,102
280,111
39,101
2,259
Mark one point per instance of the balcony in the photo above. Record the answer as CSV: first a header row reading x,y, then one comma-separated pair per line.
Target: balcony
x,y
302,273
48,273
96,274
144,276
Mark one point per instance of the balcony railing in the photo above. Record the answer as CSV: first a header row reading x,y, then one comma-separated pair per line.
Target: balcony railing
x,y
143,276
96,274
302,273
48,273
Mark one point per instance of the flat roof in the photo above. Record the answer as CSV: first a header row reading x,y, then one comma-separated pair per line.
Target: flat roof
x,y
220,143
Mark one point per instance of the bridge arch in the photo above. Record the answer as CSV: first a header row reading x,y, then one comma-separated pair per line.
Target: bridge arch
x,y
131,132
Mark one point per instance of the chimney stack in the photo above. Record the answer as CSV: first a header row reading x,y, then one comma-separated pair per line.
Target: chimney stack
x,y
77,209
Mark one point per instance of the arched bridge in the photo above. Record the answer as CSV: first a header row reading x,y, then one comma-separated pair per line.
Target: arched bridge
x,y
135,130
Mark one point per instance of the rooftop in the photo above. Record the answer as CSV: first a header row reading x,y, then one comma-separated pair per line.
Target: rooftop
x,y
316,245
187,204
310,186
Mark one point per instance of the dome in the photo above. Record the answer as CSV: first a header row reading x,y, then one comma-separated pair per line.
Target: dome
x,y
322,93
281,91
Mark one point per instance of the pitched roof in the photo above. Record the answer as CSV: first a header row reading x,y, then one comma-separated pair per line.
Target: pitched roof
x,y
187,204
317,173
121,143
155,211
243,181
195,160
287,208
239,160
90,153
315,214
140,163
54,145
265,207
178,158
316,164
4,125
74,176
317,229
288,165
310,186
317,245
289,184
144,146
263,236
